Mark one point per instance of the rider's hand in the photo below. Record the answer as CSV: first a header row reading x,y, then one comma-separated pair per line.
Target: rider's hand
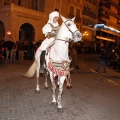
x,y
55,28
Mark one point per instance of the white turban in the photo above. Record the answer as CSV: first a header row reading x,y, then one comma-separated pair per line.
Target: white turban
x,y
52,15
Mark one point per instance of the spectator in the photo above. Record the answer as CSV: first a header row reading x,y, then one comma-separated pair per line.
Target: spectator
x,y
73,55
26,49
13,52
32,49
38,43
20,47
102,61
9,45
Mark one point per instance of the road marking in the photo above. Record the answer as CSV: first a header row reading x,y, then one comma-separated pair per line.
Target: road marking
x,y
113,82
92,70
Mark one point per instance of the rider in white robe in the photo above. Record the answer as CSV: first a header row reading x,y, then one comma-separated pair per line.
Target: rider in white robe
x,y
50,30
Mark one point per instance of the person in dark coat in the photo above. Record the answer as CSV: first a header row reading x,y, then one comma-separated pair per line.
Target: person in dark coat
x,y
102,61
20,48
9,45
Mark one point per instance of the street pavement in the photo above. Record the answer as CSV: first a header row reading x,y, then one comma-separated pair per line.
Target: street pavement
x,y
94,96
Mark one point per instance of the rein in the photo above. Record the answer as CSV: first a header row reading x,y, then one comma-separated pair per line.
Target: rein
x,y
70,40
63,40
69,28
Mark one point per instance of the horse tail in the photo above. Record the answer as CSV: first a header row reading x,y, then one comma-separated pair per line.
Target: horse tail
x,y
31,71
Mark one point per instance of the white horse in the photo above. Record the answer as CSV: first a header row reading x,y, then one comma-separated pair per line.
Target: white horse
x,y
57,59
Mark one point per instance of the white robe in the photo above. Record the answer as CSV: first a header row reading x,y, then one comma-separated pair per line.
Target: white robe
x,y
46,29
47,42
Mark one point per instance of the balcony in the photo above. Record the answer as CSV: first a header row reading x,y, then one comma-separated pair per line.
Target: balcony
x,y
77,19
118,21
24,10
105,3
89,13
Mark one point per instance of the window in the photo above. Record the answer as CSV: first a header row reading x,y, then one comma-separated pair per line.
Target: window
x,y
71,10
19,2
88,22
78,12
42,5
78,16
118,21
35,4
38,5
12,1
6,2
84,21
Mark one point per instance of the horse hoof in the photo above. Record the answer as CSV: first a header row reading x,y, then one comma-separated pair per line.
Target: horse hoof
x,y
60,110
37,91
46,88
69,86
54,104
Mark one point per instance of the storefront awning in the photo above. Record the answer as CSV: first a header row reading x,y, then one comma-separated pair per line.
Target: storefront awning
x,y
108,31
100,26
103,38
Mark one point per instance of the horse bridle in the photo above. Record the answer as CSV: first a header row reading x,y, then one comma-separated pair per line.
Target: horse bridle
x,y
65,40
70,40
69,28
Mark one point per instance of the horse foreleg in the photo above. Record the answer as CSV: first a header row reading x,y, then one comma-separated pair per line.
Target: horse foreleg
x,y
37,86
37,78
62,79
54,102
58,82
68,81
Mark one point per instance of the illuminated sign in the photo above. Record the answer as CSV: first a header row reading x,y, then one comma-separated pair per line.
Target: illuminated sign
x,y
106,27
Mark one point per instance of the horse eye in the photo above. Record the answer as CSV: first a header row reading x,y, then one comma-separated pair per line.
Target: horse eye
x,y
69,24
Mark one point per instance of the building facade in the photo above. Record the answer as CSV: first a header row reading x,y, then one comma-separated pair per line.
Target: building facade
x,y
89,19
86,17
25,18
109,15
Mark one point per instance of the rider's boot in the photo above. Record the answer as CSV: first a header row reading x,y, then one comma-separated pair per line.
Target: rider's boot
x,y
42,61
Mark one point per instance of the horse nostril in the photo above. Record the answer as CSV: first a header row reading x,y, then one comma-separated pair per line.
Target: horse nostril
x,y
78,35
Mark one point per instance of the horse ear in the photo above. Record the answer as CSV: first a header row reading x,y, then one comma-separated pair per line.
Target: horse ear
x,y
73,19
63,18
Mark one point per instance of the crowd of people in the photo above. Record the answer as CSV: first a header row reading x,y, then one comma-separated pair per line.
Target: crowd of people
x,y
26,49
23,50
19,50
113,57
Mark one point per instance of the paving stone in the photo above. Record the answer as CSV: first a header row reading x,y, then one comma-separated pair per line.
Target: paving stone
x,y
91,97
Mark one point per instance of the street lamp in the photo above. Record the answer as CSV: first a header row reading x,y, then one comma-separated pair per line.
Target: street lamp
x,y
85,33
9,33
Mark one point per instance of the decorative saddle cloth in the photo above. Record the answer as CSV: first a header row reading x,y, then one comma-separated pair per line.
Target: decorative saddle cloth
x,y
59,68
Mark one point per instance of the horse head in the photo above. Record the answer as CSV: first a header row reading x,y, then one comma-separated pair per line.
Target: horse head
x,y
69,30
